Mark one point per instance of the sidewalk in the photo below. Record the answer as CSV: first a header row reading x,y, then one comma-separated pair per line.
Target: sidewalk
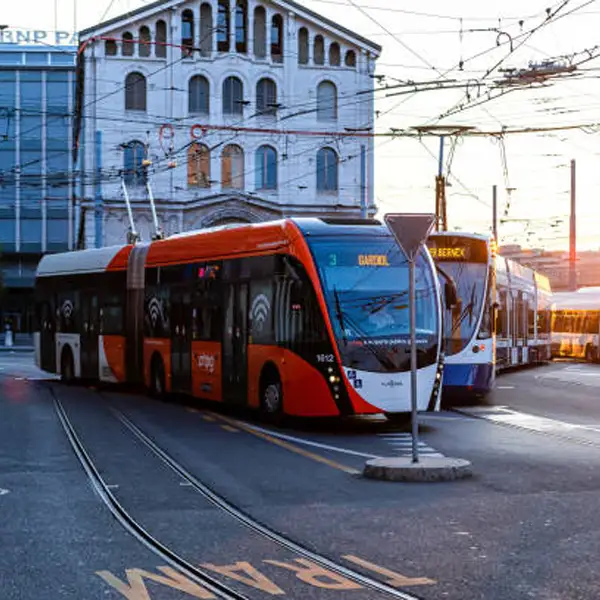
x,y
22,342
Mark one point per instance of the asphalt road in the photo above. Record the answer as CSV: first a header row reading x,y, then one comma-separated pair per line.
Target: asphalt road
x,y
525,526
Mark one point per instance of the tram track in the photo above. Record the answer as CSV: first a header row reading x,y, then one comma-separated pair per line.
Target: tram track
x,y
174,559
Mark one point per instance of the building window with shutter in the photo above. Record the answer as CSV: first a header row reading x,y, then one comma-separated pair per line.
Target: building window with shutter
x,y
198,173
327,170
232,168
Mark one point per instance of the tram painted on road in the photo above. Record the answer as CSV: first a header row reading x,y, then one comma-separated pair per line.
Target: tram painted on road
x,y
501,319
307,317
576,324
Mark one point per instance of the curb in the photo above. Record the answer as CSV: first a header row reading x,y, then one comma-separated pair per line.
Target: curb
x,y
428,469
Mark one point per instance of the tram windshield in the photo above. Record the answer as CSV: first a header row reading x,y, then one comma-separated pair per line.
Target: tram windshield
x,y
465,260
365,282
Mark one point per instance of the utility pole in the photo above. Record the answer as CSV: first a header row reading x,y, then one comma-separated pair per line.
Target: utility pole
x,y
573,233
495,213
363,182
440,192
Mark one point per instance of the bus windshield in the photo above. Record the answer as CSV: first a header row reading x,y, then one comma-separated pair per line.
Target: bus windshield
x,y
365,282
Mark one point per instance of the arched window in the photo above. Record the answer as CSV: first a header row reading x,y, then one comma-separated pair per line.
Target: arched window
x,y
160,48
199,95
266,97
223,24
277,39
206,30
135,92
241,26
266,168
350,59
327,170
319,50
134,172
303,46
232,168
260,32
144,42
198,167
110,47
233,96
127,44
326,101
334,54
187,32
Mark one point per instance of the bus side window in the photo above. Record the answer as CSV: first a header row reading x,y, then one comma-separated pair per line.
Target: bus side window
x,y
111,315
206,325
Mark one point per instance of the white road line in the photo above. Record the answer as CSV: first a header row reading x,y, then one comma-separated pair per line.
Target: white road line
x,y
505,387
506,416
297,440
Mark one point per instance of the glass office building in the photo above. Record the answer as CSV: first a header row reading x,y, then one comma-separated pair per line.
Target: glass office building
x,y
36,170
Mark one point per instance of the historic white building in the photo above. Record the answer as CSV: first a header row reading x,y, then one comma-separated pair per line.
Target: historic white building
x,y
231,110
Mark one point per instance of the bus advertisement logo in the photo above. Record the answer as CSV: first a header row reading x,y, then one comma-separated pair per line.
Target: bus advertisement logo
x,y
259,312
67,309
155,309
206,362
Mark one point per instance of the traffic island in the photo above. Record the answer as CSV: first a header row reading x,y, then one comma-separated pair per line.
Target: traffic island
x,y
429,468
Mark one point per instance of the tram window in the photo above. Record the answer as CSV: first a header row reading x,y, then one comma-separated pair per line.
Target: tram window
x,y
531,320
502,315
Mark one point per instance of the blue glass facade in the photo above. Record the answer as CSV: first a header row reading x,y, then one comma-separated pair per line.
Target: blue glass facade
x,y
36,175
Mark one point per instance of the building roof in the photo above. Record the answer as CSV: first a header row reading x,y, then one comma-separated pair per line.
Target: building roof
x,y
159,5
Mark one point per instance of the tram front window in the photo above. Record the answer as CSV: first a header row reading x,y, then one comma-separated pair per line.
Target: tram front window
x,y
461,320
366,288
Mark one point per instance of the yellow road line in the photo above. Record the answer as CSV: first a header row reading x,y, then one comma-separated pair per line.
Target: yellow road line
x,y
288,446
229,428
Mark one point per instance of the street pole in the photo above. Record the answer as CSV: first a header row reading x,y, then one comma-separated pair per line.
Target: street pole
x,y
413,358
573,233
495,212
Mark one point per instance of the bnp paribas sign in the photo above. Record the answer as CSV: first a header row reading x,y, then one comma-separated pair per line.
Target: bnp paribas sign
x,y
37,36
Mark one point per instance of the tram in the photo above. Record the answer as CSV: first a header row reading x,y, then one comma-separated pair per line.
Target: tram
x,y
501,319
305,317
576,324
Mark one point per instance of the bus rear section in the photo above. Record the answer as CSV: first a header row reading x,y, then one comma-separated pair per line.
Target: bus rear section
x,y
468,326
303,317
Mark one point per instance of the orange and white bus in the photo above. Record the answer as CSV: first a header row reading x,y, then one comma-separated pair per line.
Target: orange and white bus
x,y
307,317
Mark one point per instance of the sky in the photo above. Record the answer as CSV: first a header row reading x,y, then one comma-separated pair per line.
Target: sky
x,y
426,41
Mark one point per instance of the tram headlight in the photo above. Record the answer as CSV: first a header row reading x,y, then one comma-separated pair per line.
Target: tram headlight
x,y
476,349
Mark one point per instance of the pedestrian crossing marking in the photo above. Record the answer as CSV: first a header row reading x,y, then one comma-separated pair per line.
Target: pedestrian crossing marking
x,y
402,444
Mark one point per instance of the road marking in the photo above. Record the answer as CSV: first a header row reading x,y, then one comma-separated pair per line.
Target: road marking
x,y
229,428
209,418
303,442
135,588
315,575
507,416
505,387
3,492
185,484
112,486
290,447
245,573
395,579
402,443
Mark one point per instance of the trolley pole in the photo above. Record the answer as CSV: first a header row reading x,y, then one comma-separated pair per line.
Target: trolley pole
x,y
573,233
495,212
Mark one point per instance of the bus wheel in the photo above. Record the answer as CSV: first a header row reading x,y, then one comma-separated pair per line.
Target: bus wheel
x,y
67,370
271,396
157,378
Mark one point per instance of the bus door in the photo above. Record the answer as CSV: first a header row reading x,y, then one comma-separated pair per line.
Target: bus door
x,y
47,342
88,342
181,340
235,342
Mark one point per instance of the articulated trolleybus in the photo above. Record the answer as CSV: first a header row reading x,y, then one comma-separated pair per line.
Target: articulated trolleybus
x,y
501,318
307,317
